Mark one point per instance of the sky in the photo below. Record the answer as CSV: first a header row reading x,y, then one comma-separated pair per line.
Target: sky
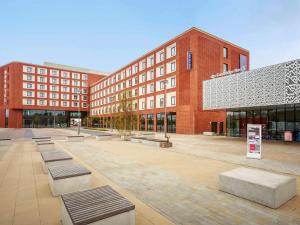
x,y
106,35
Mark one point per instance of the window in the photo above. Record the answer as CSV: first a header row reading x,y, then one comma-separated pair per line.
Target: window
x,y
65,81
151,74
54,80
28,101
65,74
151,87
173,100
42,95
42,79
143,90
243,62
53,103
135,92
53,95
65,96
65,104
136,80
161,70
54,72
225,67
143,77
84,77
29,93
29,69
151,104
161,56
162,85
161,102
151,61
173,66
173,82
173,51
29,77
42,87
75,76
53,88
42,71
225,53
143,105
84,91
42,102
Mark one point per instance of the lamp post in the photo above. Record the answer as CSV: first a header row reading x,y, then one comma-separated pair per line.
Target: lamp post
x,y
165,105
79,96
54,115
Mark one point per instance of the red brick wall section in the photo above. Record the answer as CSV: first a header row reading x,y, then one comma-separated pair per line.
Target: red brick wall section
x,y
2,110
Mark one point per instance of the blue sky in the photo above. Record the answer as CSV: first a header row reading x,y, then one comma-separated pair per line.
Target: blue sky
x,y
106,35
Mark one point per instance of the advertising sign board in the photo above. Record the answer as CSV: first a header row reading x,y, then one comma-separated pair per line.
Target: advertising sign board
x,y
254,141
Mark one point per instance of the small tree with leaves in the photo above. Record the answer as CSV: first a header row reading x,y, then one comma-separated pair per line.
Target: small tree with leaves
x,y
125,119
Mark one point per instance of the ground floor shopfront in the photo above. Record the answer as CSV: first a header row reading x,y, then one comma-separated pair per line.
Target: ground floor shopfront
x,y
51,118
144,122
275,121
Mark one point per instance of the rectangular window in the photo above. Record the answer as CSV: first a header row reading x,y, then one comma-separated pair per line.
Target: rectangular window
x,y
28,101
161,56
225,53
173,82
173,100
42,79
29,93
152,74
143,105
173,51
243,62
151,87
161,102
144,77
143,90
28,85
151,104
173,66
162,85
161,70
225,67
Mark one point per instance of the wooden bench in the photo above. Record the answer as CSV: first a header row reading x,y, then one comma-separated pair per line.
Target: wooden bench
x,y
263,187
103,137
68,178
5,141
45,146
98,206
75,138
55,158
152,141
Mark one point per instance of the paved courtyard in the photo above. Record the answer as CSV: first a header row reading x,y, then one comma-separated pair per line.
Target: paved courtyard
x,y
174,186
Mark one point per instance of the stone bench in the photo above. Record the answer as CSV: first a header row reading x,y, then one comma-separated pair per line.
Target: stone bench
x,y
5,141
103,137
75,138
151,142
209,133
39,138
98,206
68,178
55,158
263,187
45,146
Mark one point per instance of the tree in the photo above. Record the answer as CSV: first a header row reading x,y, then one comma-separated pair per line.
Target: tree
x,y
125,119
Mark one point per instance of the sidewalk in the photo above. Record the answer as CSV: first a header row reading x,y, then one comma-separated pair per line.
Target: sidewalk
x,y
26,198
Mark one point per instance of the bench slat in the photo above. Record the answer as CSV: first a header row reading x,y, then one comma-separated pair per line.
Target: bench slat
x,y
63,172
96,204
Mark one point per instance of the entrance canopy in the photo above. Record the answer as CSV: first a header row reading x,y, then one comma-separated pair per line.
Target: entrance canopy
x,y
268,86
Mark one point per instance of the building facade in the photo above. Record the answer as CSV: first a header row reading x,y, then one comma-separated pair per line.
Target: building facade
x,y
180,65
170,75
269,96
44,95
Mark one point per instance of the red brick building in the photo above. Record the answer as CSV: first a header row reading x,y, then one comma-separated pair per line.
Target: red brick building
x,y
183,62
40,95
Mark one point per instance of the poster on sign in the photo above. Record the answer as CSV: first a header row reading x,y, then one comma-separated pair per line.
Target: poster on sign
x,y
254,141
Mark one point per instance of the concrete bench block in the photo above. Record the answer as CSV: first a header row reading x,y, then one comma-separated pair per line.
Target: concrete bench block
x,y
209,133
150,143
68,178
98,206
135,140
5,141
75,138
103,137
47,146
263,187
